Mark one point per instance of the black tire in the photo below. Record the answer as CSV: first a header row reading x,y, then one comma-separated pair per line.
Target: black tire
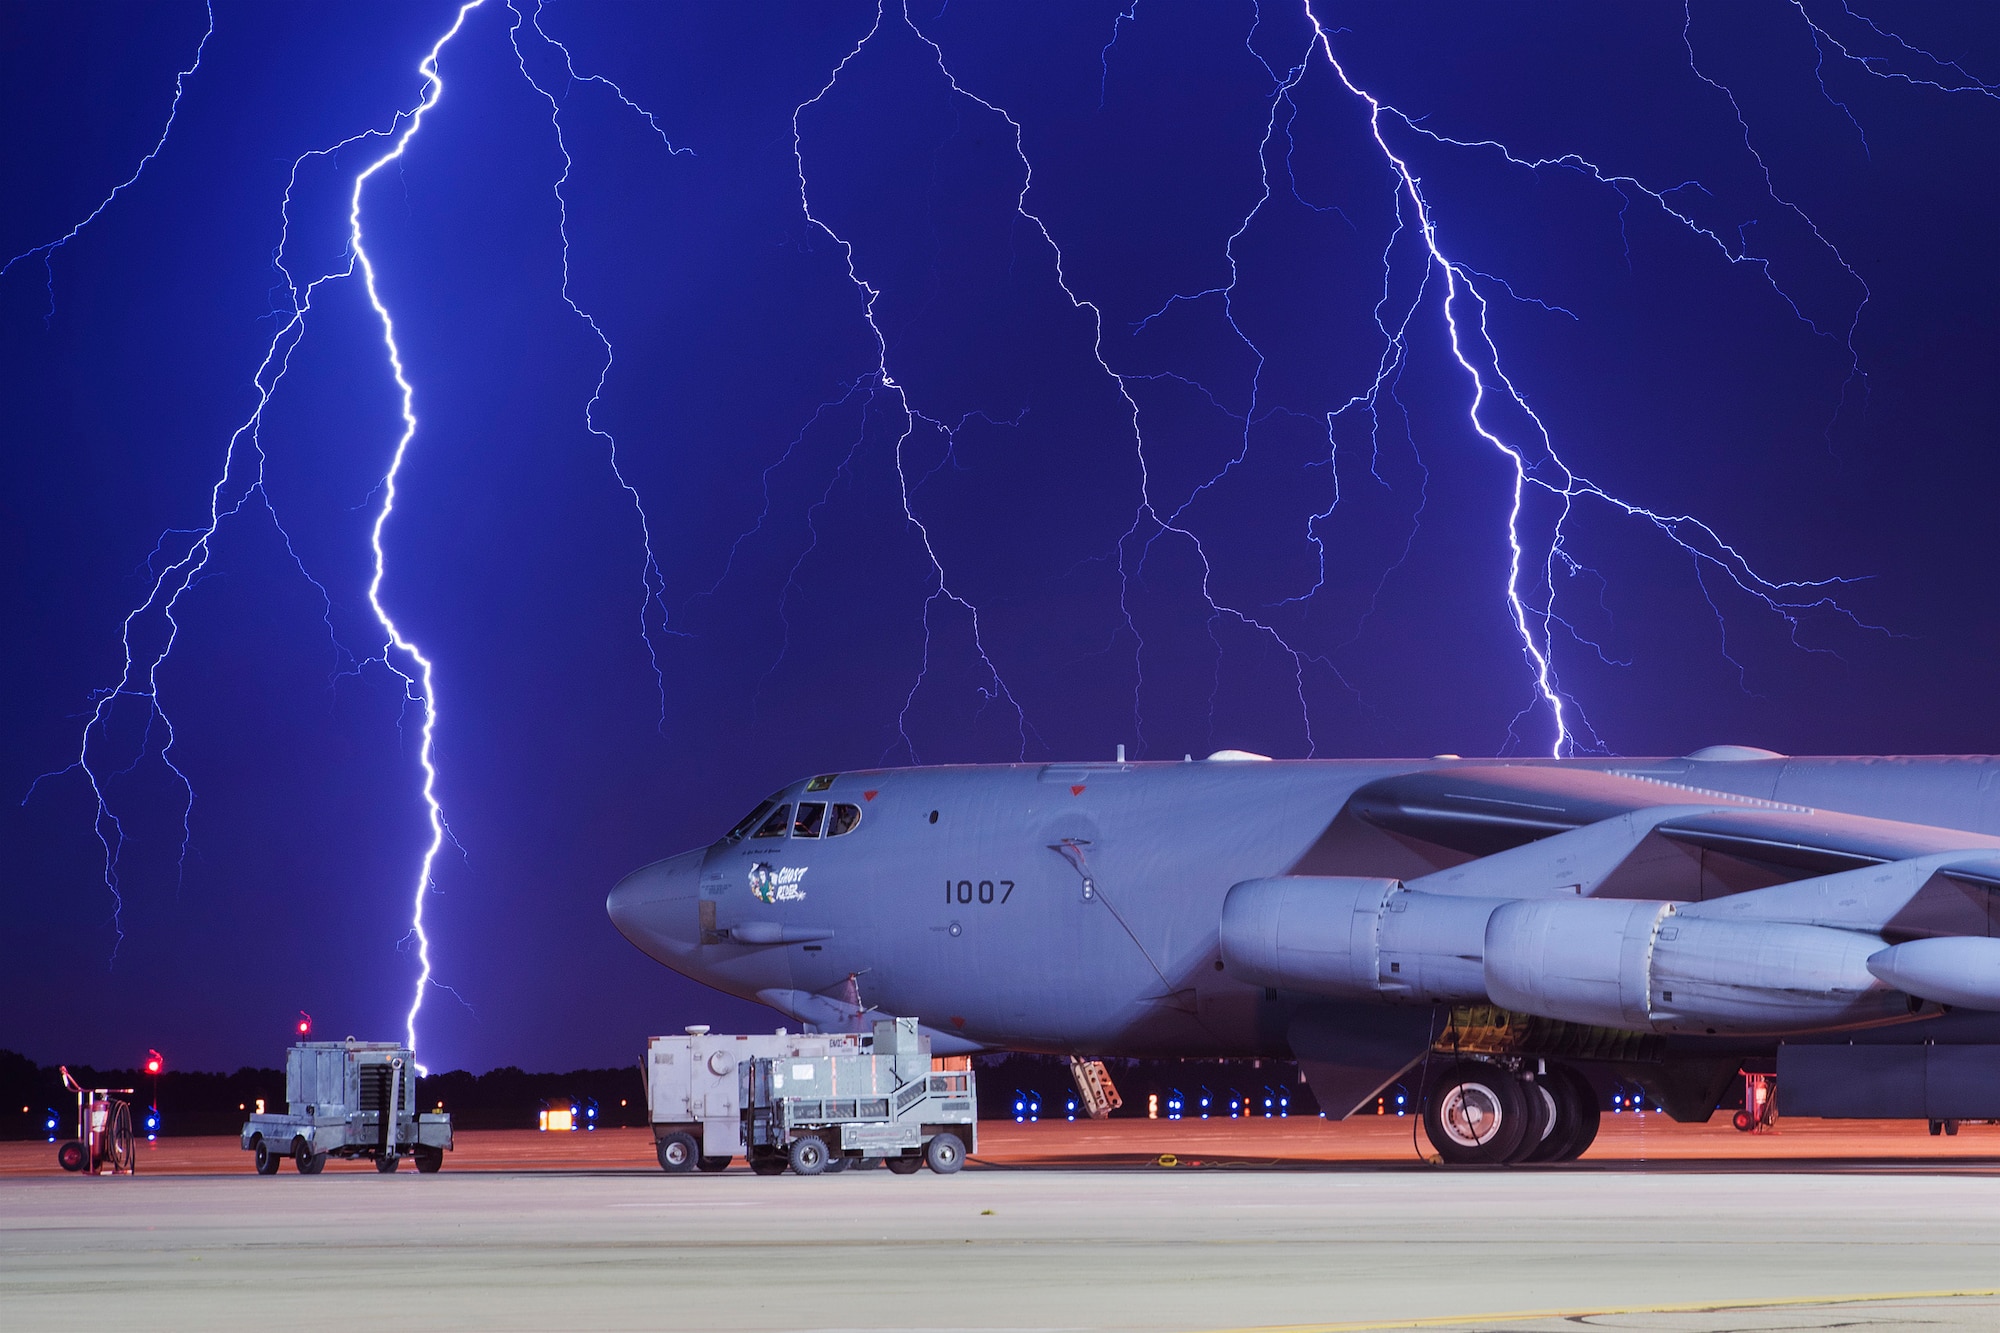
x,y
945,1153
769,1164
427,1159
267,1161
1475,1114
1549,1135
905,1166
308,1162
678,1152
1744,1122
72,1157
387,1163
838,1163
1589,1115
1575,1103
713,1163
809,1155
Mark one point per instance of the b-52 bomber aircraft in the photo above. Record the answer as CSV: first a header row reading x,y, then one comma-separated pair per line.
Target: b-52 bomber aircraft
x,y
1500,923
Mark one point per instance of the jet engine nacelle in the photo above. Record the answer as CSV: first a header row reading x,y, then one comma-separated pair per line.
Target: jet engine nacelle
x,y
1652,967
1356,938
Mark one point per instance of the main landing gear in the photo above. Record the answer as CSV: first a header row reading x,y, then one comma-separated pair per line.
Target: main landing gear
x,y
1482,1114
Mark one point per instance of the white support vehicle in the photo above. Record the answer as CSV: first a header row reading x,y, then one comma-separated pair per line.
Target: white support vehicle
x,y
810,1102
348,1099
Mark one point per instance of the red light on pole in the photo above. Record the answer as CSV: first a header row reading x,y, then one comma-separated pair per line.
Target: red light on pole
x,y
305,1024
154,1063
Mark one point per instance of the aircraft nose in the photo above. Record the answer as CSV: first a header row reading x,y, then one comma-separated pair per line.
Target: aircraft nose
x,y
654,907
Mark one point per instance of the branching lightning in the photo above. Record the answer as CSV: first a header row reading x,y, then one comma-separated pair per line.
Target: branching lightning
x,y
652,606
47,249
1424,276
884,383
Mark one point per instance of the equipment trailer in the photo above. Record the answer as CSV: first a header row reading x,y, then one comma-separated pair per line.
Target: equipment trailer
x,y
814,1103
348,1099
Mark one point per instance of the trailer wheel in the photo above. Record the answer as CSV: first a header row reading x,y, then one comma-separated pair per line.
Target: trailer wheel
x,y
905,1166
71,1155
769,1164
677,1152
267,1161
387,1163
945,1153
808,1155
305,1159
713,1163
427,1159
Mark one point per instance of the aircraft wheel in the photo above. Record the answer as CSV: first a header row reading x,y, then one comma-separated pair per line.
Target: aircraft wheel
x,y
71,1155
266,1160
1549,1135
1589,1114
1475,1114
387,1163
678,1152
945,1153
713,1163
905,1166
427,1159
809,1155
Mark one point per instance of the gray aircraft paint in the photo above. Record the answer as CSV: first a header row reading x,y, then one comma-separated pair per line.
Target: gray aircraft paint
x,y
1106,941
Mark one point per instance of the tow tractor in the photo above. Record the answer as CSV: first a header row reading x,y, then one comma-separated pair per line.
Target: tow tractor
x,y
348,1099
103,1142
811,1103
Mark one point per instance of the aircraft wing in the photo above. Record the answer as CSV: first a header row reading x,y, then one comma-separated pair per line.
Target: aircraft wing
x,y
1485,810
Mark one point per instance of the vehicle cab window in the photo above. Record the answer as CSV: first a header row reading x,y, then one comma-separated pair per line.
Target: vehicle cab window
x,y
812,814
845,819
775,826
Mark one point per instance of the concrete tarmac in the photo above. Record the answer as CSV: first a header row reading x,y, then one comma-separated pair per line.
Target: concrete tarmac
x,y
1312,1247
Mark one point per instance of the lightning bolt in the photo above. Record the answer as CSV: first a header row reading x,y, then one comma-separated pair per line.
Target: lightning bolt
x,y
47,250
882,384
414,669
652,605
241,482
1461,294
1879,66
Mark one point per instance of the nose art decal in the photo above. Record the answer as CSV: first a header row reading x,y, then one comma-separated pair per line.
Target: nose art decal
x,y
770,885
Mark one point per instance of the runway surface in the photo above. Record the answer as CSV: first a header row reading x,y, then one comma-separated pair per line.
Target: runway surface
x,y
1050,1248
1256,1225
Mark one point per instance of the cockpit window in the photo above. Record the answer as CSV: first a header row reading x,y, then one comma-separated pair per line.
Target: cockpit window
x,y
775,826
845,819
749,821
812,814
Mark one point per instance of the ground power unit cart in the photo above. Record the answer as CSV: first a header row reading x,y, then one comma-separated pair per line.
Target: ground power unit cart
x,y
348,1099
810,1103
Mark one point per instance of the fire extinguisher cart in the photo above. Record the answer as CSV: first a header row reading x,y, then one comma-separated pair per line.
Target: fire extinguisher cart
x,y
103,1142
